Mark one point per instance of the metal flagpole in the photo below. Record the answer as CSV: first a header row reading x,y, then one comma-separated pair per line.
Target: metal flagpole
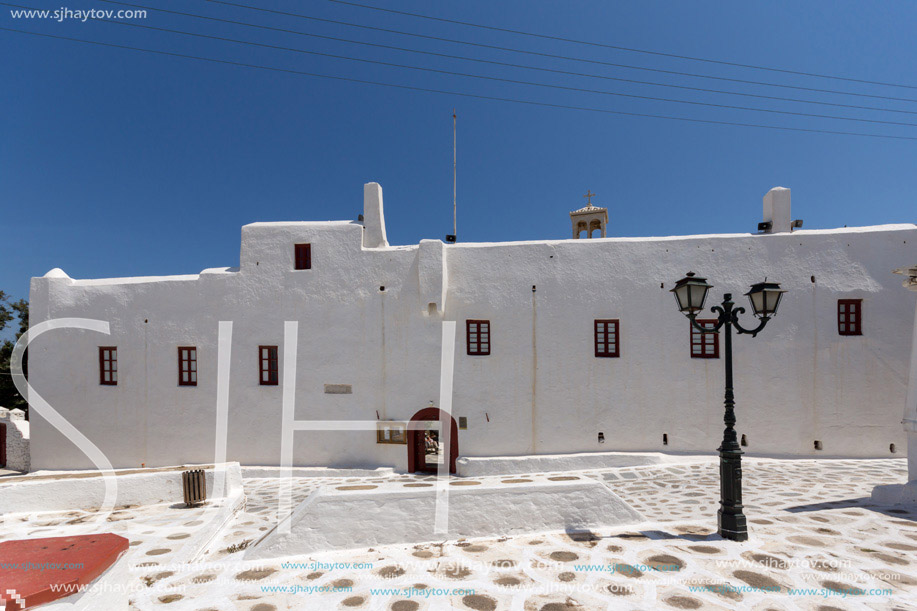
x,y
454,228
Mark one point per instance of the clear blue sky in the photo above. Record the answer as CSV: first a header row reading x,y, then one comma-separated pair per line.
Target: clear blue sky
x,y
120,163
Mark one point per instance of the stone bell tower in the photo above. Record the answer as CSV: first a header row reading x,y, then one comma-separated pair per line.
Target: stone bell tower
x,y
589,219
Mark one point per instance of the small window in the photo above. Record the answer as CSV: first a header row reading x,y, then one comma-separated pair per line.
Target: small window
x,y
267,357
391,432
108,365
478,337
607,338
187,366
705,345
850,316
302,253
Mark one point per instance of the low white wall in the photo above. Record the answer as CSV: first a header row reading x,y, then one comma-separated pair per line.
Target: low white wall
x,y
895,494
392,514
546,463
267,472
17,439
35,493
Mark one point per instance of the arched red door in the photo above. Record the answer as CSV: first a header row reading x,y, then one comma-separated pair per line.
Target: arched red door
x,y
423,455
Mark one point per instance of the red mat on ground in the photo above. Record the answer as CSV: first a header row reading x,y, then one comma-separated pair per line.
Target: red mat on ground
x,y
38,571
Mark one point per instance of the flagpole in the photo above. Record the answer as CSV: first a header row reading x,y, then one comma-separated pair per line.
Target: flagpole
x,y
454,229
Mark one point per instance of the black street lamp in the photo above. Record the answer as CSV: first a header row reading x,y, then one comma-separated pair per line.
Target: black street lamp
x,y
691,293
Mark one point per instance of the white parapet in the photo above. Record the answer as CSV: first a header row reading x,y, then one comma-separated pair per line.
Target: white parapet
x,y
366,515
85,490
18,455
469,466
271,472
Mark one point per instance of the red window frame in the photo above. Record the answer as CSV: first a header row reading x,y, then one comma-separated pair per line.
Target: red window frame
x,y
267,364
108,365
477,337
850,317
607,337
302,256
708,343
187,365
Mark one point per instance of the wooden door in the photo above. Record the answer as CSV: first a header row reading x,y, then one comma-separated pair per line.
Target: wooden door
x,y
425,451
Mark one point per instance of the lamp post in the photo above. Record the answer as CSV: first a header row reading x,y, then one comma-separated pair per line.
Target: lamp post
x,y
691,293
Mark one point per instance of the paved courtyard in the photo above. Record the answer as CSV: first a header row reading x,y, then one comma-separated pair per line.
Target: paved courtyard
x,y
817,542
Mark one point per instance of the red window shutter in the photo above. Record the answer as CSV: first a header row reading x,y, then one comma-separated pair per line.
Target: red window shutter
x,y
108,365
850,316
267,365
607,338
477,337
705,345
187,366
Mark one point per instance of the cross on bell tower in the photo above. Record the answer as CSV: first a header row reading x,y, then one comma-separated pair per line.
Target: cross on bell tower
x,y
589,218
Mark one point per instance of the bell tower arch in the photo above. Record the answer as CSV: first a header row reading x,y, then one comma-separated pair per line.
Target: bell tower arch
x,y
590,219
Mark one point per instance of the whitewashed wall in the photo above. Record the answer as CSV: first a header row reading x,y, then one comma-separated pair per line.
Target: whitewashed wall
x,y
542,387
17,439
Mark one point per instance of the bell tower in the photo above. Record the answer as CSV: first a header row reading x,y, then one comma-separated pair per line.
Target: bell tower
x,y
589,219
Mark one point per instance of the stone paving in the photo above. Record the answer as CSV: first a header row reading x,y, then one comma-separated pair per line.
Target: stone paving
x,y
817,543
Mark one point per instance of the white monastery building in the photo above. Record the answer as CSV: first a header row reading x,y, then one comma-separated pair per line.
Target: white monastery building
x,y
562,346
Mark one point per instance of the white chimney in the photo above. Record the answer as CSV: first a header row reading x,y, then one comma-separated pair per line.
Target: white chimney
x,y
777,211
373,218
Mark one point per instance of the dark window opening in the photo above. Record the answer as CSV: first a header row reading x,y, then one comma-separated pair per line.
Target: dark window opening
x,y
303,256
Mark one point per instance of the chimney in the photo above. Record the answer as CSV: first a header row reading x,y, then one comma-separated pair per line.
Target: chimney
x,y
777,215
373,219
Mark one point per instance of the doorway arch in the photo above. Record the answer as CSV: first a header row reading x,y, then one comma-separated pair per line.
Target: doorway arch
x,y
416,442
